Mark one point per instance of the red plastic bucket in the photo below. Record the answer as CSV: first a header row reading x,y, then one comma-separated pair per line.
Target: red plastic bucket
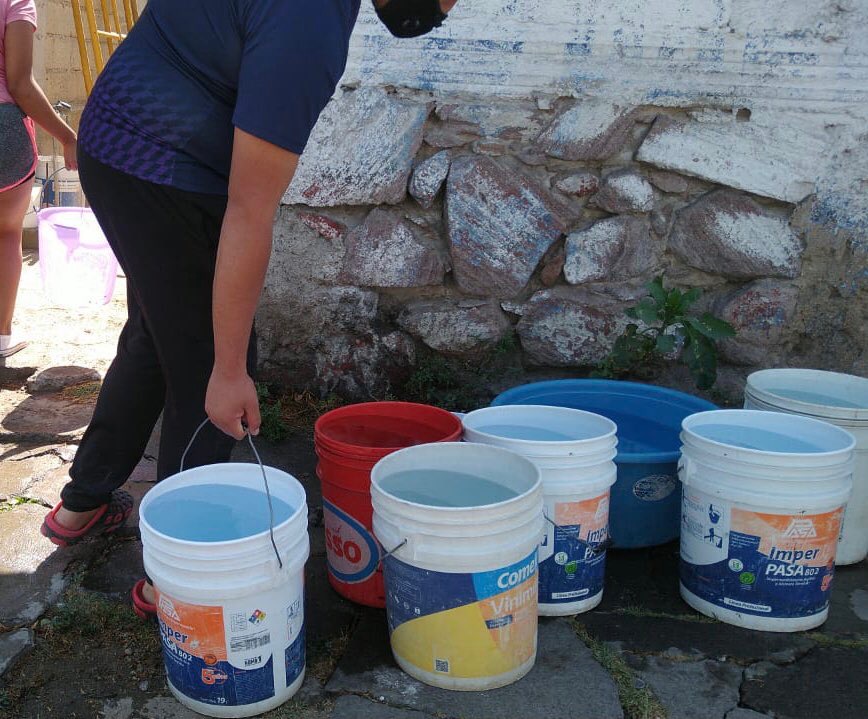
x,y
349,442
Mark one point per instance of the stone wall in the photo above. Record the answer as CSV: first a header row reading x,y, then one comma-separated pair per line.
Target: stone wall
x,y
448,223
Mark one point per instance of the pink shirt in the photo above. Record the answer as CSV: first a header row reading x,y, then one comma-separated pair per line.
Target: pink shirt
x,y
10,11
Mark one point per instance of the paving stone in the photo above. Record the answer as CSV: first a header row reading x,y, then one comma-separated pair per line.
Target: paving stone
x,y
587,130
323,225
712,640
46,415
580,184
428,178
859,602
760,312
740,713
117,709
361,151
693,690
727,233
777,161
165,708
566,682
828,682
843,621
17,470
56,378
388,251
646,578
12,646
45,488
616,248
31,568
625,191
455,327
569,329
353,707
500,225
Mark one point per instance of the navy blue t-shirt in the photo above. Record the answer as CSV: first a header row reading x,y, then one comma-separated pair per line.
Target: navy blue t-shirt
x,y
165,105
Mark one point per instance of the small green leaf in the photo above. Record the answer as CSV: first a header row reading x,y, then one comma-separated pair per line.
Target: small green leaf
x,y
700,356
691,296
665,344
656,290
647,311
711,327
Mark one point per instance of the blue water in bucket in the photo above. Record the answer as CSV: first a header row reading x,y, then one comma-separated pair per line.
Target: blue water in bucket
x,y
214,513
645,505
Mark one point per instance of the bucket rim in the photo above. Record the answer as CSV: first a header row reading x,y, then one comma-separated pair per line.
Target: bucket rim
x,y
699,440
611,432
755,390
536,487
552,389
150,497
389,409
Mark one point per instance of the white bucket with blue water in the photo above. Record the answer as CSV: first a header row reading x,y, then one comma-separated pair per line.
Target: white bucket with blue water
x,y
460,525
764,496
839,399
645,505
231,617
574,452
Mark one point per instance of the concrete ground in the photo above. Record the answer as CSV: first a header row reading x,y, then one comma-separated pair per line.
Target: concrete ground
x,y
71,647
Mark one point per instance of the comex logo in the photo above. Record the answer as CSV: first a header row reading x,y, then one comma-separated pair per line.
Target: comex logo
x,y
168,609
801,528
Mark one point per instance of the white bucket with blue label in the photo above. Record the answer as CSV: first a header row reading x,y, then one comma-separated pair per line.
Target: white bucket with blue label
x,y
763,499
575,453
460,524
231,617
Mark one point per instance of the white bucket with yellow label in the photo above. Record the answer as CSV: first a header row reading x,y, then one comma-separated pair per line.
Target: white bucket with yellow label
x,y
461,524
763,499
231,617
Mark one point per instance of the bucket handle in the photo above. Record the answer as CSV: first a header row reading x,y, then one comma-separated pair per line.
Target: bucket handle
x,y
394,549
596,549
264,481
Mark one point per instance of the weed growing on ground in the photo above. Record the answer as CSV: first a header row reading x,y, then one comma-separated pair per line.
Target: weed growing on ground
x,y
290,411
824,640
637,700
83,393
323,656
12,502
632,610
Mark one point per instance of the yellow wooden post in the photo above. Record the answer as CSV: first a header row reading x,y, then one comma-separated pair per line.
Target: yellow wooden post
x,y
106,23
82,46
94,36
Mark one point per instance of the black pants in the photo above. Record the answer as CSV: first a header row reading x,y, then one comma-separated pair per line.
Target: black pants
x,y
166,241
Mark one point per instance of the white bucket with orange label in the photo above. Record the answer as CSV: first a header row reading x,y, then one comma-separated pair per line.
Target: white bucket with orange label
x,y
227,562
575,452
764,494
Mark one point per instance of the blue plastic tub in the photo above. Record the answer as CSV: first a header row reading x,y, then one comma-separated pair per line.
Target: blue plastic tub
x,y
646,500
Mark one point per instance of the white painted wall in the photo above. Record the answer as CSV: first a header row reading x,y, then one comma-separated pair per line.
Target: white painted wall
x,y
800,66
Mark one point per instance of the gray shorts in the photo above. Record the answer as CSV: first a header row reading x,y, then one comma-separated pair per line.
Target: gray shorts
x,y
17,147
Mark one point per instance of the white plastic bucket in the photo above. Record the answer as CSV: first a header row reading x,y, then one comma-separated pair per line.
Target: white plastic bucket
x,y
839,399
231,620
763,498
461,581
574,451
67,189
77,264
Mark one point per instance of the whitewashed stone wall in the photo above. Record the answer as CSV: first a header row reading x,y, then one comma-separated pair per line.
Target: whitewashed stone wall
x,y
528,166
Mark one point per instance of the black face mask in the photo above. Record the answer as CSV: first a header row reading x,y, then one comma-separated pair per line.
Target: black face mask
x,y
411,18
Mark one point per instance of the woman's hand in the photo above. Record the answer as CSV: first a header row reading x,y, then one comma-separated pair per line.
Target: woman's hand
x,y
231,401
70,157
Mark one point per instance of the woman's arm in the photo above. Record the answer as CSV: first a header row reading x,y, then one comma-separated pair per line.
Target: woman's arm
x,y
26,92
259,176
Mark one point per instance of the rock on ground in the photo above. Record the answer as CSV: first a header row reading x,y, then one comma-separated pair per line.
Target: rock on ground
x,y
625,191
354,707
500,225
455,328
727,233
56,378
693,690
12,646
616,248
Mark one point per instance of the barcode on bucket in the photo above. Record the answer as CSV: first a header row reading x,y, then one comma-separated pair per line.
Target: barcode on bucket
x,y
441,665
245,644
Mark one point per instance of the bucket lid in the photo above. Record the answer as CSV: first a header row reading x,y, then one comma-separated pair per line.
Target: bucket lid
x,y
375,429
775,438
810,392
542,430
